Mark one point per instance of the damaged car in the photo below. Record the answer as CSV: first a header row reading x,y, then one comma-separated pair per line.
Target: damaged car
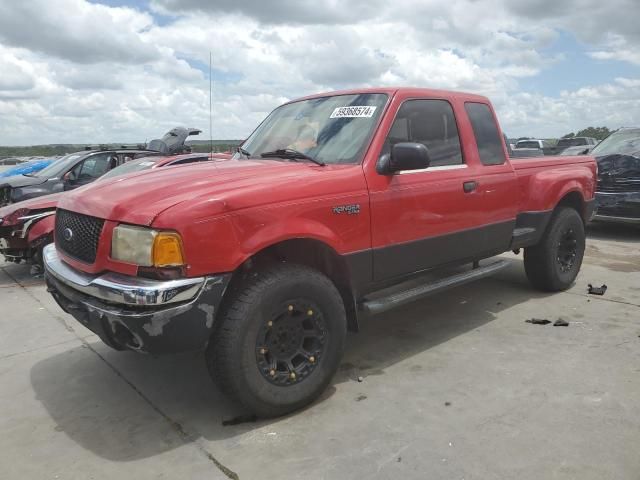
x,y
81,168
26,227
618,188
573,146
30,166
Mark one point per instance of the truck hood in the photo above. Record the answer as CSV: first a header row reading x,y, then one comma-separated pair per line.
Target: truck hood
x,y
46,202
21,181
141,197
619,166
41,204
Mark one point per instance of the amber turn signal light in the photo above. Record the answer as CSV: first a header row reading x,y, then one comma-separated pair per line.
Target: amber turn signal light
x,y
167,250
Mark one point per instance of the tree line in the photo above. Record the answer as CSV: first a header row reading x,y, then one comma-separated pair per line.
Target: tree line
x,y
599,133
63,149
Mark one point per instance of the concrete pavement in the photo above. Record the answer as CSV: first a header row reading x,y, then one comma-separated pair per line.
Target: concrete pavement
x,y
455,386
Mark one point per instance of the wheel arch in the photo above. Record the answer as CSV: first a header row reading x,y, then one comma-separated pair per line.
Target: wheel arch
x,y
573,199
313,253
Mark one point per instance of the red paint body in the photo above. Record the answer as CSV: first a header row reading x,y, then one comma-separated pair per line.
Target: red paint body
x,y
228,211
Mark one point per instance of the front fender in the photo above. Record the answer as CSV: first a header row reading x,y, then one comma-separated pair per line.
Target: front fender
x,y
222,244
41,228
288,230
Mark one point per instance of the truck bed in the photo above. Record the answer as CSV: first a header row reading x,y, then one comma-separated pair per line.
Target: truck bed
x,y
550,161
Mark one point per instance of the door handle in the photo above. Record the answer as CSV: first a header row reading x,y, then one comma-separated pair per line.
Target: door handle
x,y
470,186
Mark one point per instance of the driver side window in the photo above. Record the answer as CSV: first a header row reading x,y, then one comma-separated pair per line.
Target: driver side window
x,y
432,123
92,168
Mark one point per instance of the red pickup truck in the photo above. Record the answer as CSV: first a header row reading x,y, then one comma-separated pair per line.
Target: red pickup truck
x,y
338,206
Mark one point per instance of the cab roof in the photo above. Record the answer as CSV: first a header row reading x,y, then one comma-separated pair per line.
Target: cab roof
x,y
406,91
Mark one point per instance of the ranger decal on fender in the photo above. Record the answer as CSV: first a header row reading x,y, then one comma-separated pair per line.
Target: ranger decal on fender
x,y
353,209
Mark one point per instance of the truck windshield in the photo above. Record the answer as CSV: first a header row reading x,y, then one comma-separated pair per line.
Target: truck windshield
x,y
331,130
626,142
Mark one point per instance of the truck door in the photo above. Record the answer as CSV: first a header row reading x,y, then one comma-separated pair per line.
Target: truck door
x,y
495,180
426,218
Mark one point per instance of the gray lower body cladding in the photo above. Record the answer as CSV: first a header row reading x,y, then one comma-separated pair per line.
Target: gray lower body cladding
x,y
157,330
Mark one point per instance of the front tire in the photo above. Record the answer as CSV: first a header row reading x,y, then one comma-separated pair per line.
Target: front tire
x,y
553,264
279,340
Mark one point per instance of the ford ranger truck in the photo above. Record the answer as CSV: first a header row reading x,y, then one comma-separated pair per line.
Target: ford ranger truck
x,y
338,206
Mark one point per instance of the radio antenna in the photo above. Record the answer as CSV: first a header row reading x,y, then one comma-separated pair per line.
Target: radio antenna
x,y
210,106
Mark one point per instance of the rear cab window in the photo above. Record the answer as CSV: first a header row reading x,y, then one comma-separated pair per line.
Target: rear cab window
x,y
485,130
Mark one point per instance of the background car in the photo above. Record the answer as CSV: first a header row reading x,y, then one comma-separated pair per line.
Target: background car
x,y
618,188
32,166
80,168
586,142
580,150
26,227
530,143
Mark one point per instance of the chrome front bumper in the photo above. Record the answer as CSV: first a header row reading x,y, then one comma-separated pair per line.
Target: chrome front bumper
x,y
121,289
136,313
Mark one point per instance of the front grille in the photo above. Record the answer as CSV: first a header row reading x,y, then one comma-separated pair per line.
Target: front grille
x,y
78,235
618,186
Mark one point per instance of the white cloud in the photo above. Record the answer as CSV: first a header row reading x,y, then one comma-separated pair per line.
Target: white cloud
x,y
77,30
85,72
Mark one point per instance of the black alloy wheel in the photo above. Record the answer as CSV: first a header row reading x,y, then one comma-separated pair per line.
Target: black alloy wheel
x,y
290,345
567,250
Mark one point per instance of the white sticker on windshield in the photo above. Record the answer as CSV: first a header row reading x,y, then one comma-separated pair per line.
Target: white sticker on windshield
x,y
146,164
363,111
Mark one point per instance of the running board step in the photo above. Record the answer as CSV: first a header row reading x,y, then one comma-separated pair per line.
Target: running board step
x,y
379,305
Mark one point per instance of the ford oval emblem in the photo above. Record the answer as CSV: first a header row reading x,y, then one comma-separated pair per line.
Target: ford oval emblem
x,y
67,234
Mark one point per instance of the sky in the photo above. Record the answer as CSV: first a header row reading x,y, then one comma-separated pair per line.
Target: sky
x,y
77,71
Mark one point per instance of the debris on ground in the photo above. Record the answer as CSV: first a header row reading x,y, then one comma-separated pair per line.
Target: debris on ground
x,y
597,290
538,321
359,398
360,379
448,404
560,323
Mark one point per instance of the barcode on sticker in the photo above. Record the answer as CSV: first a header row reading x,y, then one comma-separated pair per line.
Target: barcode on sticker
x,y
363,111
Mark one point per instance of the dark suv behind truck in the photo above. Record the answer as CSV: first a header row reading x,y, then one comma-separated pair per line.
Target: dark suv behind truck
x,y
618,191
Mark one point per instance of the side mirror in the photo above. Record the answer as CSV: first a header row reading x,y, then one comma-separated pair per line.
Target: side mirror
x,y
404,156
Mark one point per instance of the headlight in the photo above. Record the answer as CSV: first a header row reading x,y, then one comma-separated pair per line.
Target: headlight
x,y
146,247
14,217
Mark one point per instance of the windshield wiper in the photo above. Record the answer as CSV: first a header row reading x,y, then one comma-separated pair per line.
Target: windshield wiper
x,y
244,152
292,154
27,175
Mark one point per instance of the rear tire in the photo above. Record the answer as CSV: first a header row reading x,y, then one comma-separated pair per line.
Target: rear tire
x,y
553,264
279,340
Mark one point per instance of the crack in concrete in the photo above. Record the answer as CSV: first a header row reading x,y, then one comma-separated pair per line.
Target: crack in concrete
x,y
600,298
185,436
38,348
